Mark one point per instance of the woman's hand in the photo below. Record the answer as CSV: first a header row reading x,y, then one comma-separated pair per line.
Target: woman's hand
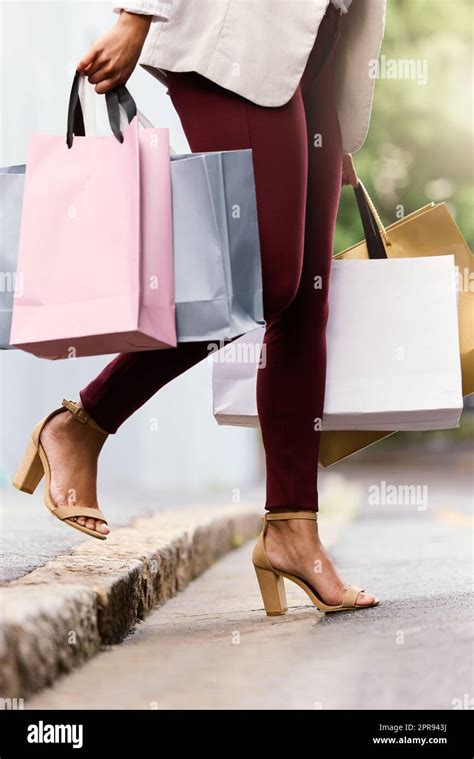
x,y
113,57
349,173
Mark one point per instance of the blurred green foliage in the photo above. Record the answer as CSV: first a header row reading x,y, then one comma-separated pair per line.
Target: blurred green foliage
x,y
420,144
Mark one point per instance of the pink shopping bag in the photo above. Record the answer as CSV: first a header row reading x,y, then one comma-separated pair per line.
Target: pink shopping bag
x,y
96,240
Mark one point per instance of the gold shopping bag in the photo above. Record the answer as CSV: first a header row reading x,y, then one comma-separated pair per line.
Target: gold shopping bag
x,y
430,231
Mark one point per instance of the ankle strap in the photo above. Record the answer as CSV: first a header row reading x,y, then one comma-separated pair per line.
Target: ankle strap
x,y
269,516
82,415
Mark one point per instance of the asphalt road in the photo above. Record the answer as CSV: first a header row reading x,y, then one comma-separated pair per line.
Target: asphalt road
x,y
213,647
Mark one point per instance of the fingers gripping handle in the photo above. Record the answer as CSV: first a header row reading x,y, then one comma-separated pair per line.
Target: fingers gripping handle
x,y
120,96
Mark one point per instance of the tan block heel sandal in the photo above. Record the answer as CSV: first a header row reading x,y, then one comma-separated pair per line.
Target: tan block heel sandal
x,y
35,465
271,580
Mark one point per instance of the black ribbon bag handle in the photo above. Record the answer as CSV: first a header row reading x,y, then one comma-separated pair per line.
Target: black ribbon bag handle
x,y
75,117
375,233
117,97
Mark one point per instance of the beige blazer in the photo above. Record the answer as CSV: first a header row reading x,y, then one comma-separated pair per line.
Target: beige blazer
x,y
259,49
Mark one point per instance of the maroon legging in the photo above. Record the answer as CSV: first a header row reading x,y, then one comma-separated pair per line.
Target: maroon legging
x,y
297,158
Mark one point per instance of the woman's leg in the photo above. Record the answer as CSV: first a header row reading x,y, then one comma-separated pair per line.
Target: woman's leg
x,y
213,119
297,342
290,389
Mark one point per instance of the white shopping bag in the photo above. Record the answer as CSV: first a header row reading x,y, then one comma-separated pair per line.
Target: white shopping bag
x,y
393,350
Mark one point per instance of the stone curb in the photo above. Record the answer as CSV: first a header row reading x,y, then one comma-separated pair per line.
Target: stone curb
x,y
60,615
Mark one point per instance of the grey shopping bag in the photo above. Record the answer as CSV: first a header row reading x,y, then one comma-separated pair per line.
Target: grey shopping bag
x,y
12,179
218,277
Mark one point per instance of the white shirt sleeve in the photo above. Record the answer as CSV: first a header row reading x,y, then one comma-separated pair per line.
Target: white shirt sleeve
x,y
159,9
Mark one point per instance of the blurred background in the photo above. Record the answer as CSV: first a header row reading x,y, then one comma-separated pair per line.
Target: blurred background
x,y
420,149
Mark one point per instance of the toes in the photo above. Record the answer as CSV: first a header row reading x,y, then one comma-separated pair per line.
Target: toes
x,y
98,526
93,524
102,527
364,599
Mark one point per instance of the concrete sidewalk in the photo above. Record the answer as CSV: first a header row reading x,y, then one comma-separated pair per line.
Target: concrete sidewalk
x,y
212,647
61,614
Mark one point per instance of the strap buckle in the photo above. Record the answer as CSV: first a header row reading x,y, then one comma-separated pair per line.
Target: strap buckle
x,y
82,416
